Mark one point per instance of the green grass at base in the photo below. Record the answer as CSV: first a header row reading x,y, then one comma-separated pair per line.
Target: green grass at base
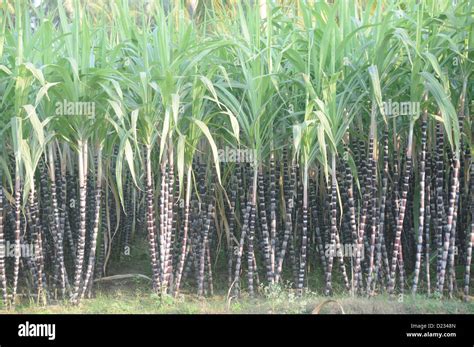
x,y
126,301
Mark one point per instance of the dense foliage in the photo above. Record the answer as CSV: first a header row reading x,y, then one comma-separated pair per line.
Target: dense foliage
x,y
249,143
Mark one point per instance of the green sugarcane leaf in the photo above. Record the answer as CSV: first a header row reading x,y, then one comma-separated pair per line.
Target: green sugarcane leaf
x,y
297,136
215,154
5,69
134,120
164,134
211,88
125,150
180,159
376,89
234,123
37,73
175,107
44,91
74,67
17,136
448,112
117,88
309,87
4,170
35,122
27,165
130,161
2,36
434,63
322,146
118,110
295,59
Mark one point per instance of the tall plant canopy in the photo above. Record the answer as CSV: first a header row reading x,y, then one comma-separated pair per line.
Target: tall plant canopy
x,y
248,142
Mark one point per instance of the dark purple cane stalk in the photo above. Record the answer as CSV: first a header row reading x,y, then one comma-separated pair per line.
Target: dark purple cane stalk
x,y
470,241
449,226
3,275
421,225
439,199
264,226
401,215
150,217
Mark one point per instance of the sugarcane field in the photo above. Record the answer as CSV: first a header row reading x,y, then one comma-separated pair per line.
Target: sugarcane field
x,y
255,156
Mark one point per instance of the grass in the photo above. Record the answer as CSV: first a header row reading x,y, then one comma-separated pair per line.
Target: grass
x,y
134,297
